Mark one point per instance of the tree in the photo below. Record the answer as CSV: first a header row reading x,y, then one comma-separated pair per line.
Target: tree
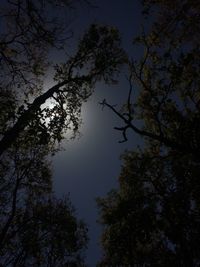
x,y
36,228
46,233
166,78
98,57
153,219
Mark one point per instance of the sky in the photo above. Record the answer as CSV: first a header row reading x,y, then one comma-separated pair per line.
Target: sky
x,y
89,166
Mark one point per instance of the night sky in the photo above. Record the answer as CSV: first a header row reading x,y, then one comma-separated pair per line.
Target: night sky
x,y
89,166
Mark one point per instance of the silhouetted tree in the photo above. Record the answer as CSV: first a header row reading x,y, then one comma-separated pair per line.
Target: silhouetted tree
x,y
165,81
98,57
35,227
153,219
45,233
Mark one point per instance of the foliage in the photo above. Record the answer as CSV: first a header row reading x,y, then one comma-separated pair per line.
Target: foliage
x,y
166,78
153,219
98,57
36,229
28,31
46,233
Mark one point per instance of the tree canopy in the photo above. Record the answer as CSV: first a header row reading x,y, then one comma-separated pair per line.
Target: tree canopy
x,y
164,83
36,228
153,218
25,60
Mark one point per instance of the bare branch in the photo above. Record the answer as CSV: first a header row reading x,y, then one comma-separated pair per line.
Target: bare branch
x,y
160,138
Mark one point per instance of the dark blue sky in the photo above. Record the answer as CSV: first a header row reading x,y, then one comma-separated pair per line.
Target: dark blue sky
x,y
89,167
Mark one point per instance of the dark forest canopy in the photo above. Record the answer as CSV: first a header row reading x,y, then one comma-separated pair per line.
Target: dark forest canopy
x,y
36,228
153,219
164,83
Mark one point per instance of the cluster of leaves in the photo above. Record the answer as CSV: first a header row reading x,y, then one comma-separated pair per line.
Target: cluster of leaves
x,y
36,229
27,33
98,57
153,219
75,83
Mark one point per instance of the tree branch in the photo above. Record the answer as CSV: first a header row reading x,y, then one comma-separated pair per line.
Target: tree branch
x,y
11,135
160,138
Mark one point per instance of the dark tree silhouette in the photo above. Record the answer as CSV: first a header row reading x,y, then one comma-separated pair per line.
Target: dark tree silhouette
x,y
99,49
153,219
36,229
164,83
28,34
